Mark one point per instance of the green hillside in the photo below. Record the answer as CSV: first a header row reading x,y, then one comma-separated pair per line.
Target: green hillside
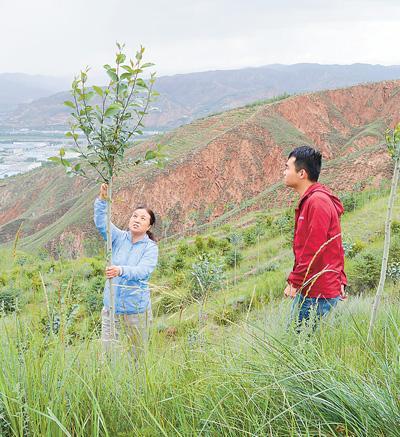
x,y
220,364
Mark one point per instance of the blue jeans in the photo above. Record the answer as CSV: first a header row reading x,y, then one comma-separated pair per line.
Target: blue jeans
x,y
303,306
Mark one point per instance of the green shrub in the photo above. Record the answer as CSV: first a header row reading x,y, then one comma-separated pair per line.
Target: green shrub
x,y
351,249
226,229
3,279
199,244
236,239
350,201
233,257
393,272
366,272
224,246
271,266
394,252
10,300
395,227
183,249
178,279
178,263
94,302
264,223
163,265
212,243
207,276
285,223
250,236
93,298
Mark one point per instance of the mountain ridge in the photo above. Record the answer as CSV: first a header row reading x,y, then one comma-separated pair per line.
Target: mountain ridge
x,y
186,97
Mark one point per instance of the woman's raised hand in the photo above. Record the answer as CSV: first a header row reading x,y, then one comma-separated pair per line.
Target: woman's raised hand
x,y
103,192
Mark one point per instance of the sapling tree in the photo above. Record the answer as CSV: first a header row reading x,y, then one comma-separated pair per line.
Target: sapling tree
x,y
236,240
393,146
105,123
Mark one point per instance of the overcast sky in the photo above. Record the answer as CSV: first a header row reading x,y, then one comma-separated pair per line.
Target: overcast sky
x,y
59,37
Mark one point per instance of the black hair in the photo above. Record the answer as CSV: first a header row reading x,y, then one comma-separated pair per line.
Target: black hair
x,y
152,220
307,159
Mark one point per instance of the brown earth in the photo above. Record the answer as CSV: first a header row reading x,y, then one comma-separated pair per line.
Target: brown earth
x,y
219,162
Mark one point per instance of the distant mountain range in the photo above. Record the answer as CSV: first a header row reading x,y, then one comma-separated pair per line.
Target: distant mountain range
x,y
186,97
19,88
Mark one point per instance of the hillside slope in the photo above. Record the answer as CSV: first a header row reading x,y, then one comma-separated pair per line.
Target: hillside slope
x,y
220,165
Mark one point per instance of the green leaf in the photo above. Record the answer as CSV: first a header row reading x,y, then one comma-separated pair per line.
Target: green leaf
x,y
54,159
150,154
148,64
127,68
62,152
77,167
66,163
69,103
98,90
112,74
140,82
120,58
113,109
126,76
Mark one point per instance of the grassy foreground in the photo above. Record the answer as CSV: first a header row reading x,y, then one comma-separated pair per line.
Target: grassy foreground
x,y
252,378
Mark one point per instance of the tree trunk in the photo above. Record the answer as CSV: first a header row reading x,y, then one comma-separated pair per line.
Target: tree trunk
x,y
386,247
234,278
109,261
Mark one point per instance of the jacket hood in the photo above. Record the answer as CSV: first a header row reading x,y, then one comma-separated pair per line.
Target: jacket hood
x,y
315,188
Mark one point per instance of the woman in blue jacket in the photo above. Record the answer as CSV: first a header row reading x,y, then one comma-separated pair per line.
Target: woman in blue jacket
x,y
134,258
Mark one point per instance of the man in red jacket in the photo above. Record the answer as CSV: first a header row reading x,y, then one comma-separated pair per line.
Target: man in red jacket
x,y
317,280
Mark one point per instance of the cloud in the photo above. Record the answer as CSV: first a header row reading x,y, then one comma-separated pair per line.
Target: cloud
x,y
60,37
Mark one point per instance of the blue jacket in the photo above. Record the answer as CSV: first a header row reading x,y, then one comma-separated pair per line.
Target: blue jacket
x,y
138,260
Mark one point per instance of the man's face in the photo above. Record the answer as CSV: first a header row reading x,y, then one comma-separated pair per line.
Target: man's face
x,y
291,176
139,222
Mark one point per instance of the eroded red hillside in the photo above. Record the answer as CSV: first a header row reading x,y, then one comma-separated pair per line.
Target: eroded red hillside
x,y
220,162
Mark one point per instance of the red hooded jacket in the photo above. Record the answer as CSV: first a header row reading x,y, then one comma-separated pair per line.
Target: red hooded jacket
x,y
317,220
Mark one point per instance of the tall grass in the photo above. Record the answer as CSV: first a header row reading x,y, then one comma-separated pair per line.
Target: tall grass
x,y
254,378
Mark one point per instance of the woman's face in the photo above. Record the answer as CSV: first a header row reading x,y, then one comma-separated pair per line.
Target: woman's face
x,y
139,223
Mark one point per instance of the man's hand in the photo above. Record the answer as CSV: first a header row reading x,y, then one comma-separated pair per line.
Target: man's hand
x,y
103,192
290,291
113,271
343,294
